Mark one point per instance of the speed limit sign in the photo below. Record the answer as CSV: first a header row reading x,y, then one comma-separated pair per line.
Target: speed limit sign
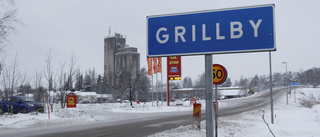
x,y
219,74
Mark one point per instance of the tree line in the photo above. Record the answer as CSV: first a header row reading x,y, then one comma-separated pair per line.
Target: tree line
x,y
68,77
127,84
310,77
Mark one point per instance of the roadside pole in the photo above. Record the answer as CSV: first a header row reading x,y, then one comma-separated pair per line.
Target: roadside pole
x,y
152,83
48,105
157,88
271,84
294,95
216,110
168,92
209,90
161,85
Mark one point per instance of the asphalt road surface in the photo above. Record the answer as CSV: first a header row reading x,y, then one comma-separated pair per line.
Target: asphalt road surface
x,y
144,126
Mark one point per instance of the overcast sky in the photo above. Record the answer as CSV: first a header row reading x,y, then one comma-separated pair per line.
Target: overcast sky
x,y
80,26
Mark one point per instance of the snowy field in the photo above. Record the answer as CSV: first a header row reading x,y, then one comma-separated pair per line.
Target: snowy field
x,y
293,120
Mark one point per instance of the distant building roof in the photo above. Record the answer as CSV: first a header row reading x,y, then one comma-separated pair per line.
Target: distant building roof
x,y
78,93
104,95
230,92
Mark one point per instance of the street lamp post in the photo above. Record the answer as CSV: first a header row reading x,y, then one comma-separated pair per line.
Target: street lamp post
x,y
286,81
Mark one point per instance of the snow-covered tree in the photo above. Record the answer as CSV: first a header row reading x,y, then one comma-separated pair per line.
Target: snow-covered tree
x,y
89,81
227,83
310,77
200,82
143,85
187,82
79,82
254,83
243,84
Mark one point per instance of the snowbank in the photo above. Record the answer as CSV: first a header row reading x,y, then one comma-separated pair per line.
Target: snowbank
x,y
85,113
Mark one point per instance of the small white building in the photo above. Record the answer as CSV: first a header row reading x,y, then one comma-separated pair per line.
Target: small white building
x,y
102,98
229,93
87,97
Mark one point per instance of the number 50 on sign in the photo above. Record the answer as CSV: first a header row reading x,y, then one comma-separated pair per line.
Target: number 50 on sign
x,y
219,74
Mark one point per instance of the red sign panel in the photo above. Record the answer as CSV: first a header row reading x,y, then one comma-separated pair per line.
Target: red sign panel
x,y
192,101
155,64
71,100
196,110
149,66
159,64
174,66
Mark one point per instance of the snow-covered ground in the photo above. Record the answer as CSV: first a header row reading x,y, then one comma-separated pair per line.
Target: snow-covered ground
x,y
88,113
290,120
293,120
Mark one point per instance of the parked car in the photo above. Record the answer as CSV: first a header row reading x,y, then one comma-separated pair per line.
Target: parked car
x,y
20,104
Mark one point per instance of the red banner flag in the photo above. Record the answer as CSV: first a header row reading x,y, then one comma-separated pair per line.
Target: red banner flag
x,y
154,65
149,66
159,64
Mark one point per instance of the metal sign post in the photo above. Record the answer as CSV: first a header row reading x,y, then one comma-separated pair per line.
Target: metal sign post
x,y
216,109
294,84
271,84
219,76
209,96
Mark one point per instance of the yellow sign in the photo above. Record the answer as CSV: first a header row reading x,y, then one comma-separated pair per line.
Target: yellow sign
x,y
219,74
173,57
175,78
71,101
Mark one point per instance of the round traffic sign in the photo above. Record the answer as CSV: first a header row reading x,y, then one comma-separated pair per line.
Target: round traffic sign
x,y
219,74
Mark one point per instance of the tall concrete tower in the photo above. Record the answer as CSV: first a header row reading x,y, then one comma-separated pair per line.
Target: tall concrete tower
x,y
118,55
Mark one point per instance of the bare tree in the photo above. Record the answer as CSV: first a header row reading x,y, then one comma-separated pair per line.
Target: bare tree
x,y
61,84
39,86
5,77
126,83
15,74
8,20
48,74
24,87
73,69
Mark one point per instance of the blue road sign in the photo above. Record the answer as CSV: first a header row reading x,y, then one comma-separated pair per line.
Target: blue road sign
x,y
294,83
246,29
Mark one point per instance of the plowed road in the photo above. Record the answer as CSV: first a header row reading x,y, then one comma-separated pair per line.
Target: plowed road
x,y
147,124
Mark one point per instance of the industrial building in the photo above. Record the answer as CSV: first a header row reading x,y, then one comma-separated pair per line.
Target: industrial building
x,y
119,56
